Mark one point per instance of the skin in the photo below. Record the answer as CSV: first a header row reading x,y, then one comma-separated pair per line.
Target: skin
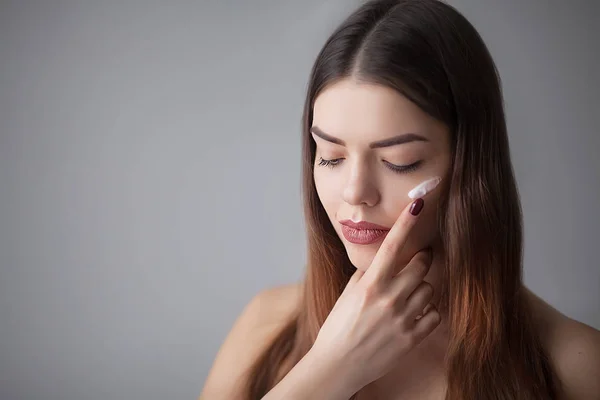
x,y
361,187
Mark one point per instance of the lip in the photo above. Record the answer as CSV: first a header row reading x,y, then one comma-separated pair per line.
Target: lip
x,y
361,225
362,232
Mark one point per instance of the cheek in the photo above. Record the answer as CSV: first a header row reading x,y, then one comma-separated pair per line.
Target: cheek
x,y
326,186
320,186
326,193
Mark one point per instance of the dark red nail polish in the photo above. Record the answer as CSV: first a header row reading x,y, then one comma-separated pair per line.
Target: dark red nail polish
x,y
417,206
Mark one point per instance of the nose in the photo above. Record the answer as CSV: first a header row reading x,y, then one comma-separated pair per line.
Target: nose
x,y
361,187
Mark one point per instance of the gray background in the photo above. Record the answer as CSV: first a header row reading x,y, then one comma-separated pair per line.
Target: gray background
x,y
150,176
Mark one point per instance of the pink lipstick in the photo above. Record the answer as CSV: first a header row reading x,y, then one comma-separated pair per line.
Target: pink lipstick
x,y
362,232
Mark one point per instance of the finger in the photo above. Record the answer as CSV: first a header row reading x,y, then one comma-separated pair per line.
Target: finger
x,y
406,281
384,261
425,310
427,323
418,300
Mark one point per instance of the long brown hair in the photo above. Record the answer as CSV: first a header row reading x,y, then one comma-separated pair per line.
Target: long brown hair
x,y
430,53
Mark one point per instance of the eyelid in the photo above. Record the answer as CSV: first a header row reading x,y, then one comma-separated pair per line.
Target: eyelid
x,y
403,168
402,165
331,163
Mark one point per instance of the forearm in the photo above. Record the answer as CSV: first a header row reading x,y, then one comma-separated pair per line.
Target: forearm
x,y
312,378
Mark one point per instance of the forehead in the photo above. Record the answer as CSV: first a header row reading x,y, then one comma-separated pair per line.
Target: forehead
x,y
355,110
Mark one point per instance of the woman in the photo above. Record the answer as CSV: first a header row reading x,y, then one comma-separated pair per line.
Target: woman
x,y
404,298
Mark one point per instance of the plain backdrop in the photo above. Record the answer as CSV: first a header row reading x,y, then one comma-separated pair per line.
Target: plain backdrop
x,y
150,176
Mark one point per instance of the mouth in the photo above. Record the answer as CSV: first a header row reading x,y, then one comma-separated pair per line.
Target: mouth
x,y
363,232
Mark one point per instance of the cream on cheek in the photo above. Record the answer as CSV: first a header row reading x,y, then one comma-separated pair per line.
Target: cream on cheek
x,y
424,187
418,191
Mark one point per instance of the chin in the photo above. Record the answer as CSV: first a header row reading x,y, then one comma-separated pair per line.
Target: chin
x,y
363,257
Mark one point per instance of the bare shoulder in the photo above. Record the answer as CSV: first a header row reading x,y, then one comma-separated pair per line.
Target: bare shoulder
x,y
574,349
256,326
275,305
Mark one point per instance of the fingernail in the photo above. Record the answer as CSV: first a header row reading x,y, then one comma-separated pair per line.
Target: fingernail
x,y
417,206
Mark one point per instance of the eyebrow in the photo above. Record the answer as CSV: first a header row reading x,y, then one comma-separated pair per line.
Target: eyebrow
x,y
395,140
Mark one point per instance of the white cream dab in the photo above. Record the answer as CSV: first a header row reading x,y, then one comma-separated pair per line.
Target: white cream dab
x,y
424,187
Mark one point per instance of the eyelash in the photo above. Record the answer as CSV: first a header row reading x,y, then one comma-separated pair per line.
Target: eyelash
x,y
399,169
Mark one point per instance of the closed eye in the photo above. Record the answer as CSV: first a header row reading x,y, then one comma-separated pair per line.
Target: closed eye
x,y
330,163
400,169
403,169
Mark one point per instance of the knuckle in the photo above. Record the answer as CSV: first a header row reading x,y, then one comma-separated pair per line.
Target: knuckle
x,y
386,303
370,291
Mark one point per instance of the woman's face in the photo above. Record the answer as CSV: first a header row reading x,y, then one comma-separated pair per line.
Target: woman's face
x,y
360,183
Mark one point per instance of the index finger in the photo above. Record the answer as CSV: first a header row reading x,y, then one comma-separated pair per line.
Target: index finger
x,y
383,264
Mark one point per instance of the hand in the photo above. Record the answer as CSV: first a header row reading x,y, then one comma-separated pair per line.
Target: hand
x,y
377,318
